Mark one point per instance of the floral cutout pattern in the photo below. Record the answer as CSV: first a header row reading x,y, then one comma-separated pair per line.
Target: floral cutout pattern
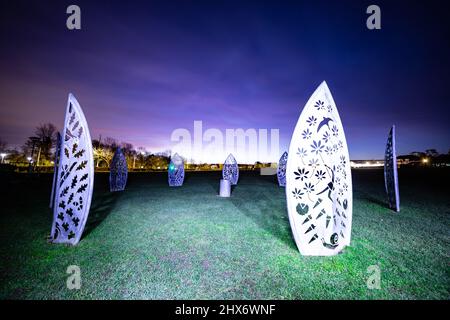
x,y
281,170
176,171
230,170
390,172
118,172
75,180
318,179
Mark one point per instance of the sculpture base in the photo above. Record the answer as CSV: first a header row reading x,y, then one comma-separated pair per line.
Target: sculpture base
x,y
225,188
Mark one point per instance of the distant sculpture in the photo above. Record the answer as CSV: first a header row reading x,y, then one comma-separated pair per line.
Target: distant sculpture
x,y
55,168
176,171
318,179
230,170
118,173
75,180
390,172
281,170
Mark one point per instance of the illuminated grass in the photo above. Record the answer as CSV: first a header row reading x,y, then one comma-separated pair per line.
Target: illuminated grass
x,y
156,242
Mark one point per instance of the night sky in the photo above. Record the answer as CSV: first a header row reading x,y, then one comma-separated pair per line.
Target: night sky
x,y
142,69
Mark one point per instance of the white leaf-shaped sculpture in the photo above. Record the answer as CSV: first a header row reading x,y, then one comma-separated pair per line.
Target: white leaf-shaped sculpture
x,y
75,182
176,171
281,170
390,172
230,170
118,172
318,179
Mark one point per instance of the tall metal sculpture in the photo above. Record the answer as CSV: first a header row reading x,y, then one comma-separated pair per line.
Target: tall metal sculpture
x,y
75,181
230,170
176,171
318,179
55,168
118,173
281,170
390,172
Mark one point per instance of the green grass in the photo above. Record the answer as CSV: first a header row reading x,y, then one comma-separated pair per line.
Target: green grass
x,y
156,242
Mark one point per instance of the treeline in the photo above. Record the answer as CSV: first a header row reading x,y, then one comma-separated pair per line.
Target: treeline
x,y
39,150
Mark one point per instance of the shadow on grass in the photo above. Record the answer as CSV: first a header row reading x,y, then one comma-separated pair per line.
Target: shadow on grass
x,y
268,217
101,207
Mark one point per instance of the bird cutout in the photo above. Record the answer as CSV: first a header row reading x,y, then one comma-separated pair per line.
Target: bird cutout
x,y
319,146
324,122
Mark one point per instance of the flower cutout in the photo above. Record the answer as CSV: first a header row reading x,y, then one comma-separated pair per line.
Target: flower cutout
x,y
306,134
329,108
326,137
335,148
340,144
345,187
335,131
317,147
319,105
337,181
343,161
297,193
301,174
320,174
341,192
312,121
302,152
313,163
329,150
308,187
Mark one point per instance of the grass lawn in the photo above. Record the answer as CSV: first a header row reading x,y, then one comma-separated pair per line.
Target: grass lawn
x,y
156,242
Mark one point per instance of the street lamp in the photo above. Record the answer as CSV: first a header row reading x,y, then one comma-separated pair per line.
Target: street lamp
x,y
3,156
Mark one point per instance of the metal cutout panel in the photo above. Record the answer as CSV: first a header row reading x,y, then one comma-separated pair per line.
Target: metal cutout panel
x,y
318,179
390,172
75,181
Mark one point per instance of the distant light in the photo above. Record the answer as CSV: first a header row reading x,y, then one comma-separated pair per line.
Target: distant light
x,y
3,155
29,159
368,163
425,160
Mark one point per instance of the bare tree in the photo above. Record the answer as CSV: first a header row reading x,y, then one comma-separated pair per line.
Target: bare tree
x,y
3,145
